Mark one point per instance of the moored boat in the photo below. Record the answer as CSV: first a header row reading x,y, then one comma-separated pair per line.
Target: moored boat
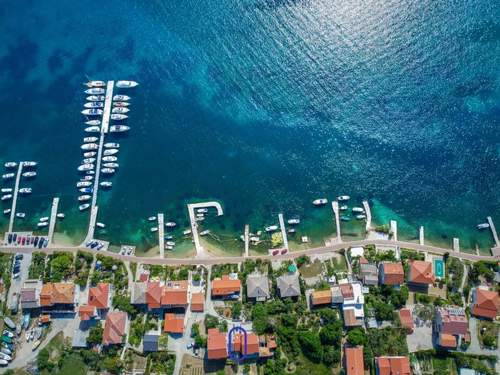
x,y
29,174
60,215
29,163
121,98
343,207
44,218
8,176
294,221
105,184
107,170
42,224
118,128
94,105
170,224
110,151
121,104
84,206
90,139
6,197
95,98
81,184
93,129
120,110
320,201
152,218
154,229
118,116
86,167
6,190
111,165
20,215
10,164
95,84
126,84
271,228
100,225
93,122
86,190
358,209
92,112
87,178
88,160
343,198
483,226
109,158
25,190
83,198
361,217
111,145
89,146
89,154
95,91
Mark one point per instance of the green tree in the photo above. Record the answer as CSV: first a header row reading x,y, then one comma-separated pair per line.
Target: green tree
x,y
331,355
331,334
236,310
311,346
42,360
95,335
260,318
122,302
356,336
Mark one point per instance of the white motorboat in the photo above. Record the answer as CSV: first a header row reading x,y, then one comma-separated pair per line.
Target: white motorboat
x,y
106,184
83,198
44,218
88,160
360,217
170,224
169,247
110,151
359,210
29,174
200,215
172,243
95,91
109,158
42,224
202,210
86,167
90,139
100,225
320,201
95,84
271,228
92,172
121,98
92,112
291,230
86,190
154,229
126,84
29,163
89,146
483,226
200,218
89,154
186,232
6,190
84,206
152,218
6,211
60,215
8,176
111,165
119,128
204,232
94,105
343,198
118,116
120,110
93,122
95,98
81,184
107,171
111,145
294,221
93,129
121,104
87,178
26,190
344,207
10,164
20,215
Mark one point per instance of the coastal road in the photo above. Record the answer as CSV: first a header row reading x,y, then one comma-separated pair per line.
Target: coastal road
x,y
231,259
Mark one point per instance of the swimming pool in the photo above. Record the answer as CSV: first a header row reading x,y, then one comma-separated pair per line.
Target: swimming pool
x,y
439,268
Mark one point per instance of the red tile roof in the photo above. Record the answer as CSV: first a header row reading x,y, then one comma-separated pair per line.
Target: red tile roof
x,y
87,312
225,286
175,293
321,297
355,364
173,323
486,303
197,302
57,293
216,344
114,328
252,343
406,319
393,273
99,296
154,292
421,272
447,341
452,320
393,366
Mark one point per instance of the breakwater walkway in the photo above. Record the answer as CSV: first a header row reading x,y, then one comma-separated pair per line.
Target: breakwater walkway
x,y
192,207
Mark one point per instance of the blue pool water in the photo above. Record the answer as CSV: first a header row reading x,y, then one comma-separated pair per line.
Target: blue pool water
x,y
265,105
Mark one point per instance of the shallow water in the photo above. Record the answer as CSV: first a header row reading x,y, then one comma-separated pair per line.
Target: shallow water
x,y
263,105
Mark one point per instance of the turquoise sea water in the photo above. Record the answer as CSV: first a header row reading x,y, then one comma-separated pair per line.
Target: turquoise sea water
x,y
263,105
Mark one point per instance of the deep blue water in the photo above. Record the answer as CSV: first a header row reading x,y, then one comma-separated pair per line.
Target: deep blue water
x,y
265,105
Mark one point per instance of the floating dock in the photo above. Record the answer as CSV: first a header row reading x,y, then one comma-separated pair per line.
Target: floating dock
x,y
104,129
247,239
283,231
335,207
200,251
161,234
14,196
53,219
421,236
368,213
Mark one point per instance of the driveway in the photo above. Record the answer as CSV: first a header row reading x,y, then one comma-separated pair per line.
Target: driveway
x,y
421,338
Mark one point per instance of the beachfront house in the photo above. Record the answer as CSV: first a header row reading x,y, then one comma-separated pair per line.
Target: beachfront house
x,y
420,276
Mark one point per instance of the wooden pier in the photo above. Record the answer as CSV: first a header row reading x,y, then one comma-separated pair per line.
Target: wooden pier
x,y
368,213
421,236
14,196
283,231
53,219
394,229
104,130
200,251
161,234
247,239
335,207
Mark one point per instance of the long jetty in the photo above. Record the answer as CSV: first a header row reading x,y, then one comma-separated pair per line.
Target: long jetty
x,y
53,218
14,196
247,239
161,234
104,129
335,207
368,212
283,231
200,251
493,231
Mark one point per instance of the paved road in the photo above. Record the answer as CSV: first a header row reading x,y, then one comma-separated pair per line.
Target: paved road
x,y
16,284
238,259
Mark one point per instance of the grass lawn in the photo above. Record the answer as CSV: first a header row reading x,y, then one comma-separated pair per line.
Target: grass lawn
x,y
444,366
488,334
311,270
306,367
